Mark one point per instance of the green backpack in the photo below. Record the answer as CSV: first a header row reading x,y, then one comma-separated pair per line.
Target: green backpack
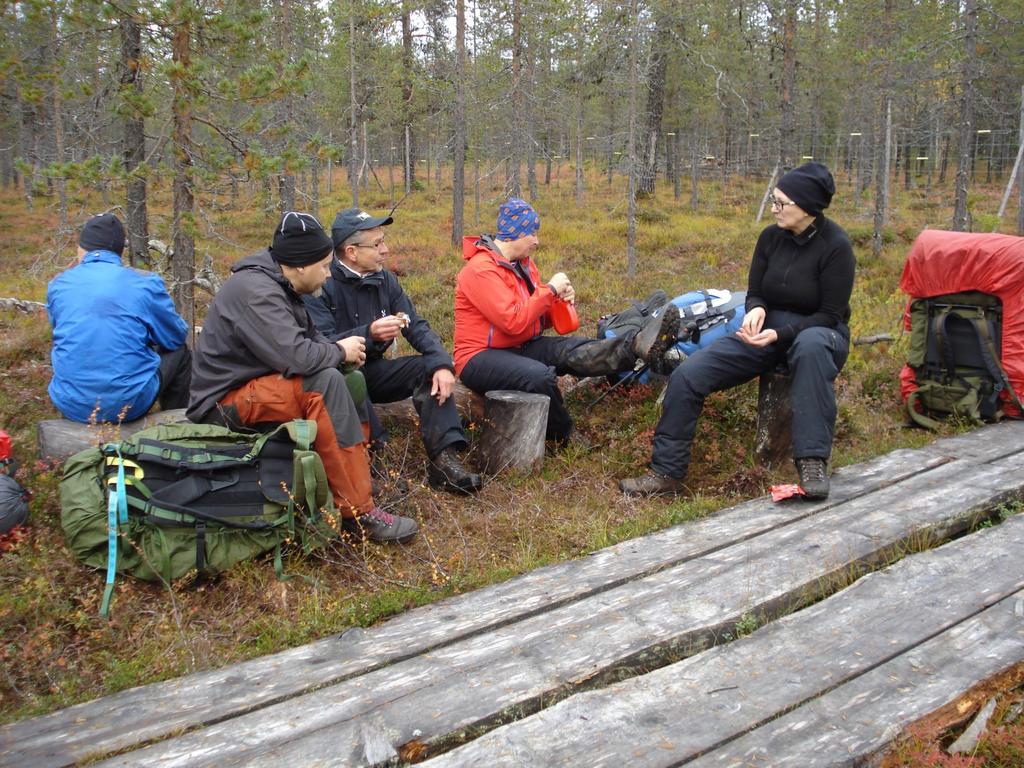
x,y
955,343
178,497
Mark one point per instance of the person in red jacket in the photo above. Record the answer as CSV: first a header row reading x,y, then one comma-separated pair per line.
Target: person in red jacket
x,y
502,309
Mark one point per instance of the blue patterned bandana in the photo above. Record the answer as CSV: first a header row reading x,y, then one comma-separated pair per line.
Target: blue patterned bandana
x,y
516,219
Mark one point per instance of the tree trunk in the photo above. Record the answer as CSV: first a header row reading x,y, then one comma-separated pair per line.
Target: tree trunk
x,y
408,62
353,120
58,116
459,160
136,223
882,180
579,140
513,187
648,169
314,183
961,215
787,125
286,192
631,140
183,257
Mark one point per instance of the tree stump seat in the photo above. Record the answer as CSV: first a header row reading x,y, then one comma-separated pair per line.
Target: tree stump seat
x,y
513,425
773,442
59,439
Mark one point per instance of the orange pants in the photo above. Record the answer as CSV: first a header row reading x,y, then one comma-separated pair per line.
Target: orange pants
x,y
273,398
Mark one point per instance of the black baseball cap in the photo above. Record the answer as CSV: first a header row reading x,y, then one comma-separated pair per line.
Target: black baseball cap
x,y
353,220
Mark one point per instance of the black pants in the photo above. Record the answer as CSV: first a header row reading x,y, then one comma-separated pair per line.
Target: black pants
x,y
389,380
814,360
536,366
175,373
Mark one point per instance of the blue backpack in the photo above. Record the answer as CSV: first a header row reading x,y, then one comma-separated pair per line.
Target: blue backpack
x,y
713,312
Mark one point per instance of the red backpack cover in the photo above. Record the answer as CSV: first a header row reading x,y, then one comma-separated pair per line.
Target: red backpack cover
x,y
943,262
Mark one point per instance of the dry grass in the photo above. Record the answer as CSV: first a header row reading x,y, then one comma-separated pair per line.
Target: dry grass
x,y
57,651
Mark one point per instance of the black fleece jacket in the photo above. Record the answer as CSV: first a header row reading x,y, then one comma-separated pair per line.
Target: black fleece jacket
x,y
348,304
810,274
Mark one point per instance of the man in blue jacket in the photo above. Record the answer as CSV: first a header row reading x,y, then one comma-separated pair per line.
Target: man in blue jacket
x,y
118,342
362,298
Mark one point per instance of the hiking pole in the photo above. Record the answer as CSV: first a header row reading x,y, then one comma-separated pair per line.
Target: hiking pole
x,y
635,373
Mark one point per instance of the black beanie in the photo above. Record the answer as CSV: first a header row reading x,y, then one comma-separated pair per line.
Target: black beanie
x,y
299,240
810,186
103,233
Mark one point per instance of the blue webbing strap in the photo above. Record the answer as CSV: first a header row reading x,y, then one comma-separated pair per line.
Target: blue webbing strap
x,y
117,513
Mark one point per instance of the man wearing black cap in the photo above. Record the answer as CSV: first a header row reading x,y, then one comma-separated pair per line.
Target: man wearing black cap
x,y
118,342
362,298
797,314
260,359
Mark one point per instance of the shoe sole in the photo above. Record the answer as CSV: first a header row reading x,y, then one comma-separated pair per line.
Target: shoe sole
x,y
668,335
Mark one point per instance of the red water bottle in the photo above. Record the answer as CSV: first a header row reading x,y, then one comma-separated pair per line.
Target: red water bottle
x,y
5,451
564,317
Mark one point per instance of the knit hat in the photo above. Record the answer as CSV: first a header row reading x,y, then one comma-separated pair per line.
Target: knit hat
x,y
810,186
103,233
516,219
299,240
353,220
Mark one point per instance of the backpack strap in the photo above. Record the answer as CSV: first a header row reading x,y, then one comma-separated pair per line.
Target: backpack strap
x,y
176,455
917,416
117,514
989,355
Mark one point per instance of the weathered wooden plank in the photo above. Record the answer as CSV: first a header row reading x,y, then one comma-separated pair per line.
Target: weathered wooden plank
x,y
849,726
692,708
984,444
152,712
513,669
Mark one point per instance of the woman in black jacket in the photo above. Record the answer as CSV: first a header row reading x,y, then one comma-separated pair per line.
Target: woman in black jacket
x,y
797,311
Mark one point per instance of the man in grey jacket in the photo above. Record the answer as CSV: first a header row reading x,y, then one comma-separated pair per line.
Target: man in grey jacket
x,y
261,360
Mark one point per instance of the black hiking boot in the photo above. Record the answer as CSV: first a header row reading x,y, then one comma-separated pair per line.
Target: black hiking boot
x,y
813,477
446,472
651,484
382,527
658,335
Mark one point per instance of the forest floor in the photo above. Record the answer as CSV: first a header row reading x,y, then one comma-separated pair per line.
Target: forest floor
x,y
57,651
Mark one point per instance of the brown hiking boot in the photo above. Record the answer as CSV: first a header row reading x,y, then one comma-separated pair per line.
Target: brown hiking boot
x,y
657,336
382,527
813,477
446,472
651,484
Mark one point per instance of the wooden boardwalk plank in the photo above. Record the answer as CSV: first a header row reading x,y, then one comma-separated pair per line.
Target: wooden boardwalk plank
x,y
872,645
851,725
152,712
514,669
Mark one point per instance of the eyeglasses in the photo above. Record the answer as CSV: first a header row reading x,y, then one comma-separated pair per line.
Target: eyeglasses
x,y
376,244
776,203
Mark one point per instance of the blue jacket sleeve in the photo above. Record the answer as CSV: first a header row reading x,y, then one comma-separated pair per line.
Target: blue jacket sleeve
x,y
167,330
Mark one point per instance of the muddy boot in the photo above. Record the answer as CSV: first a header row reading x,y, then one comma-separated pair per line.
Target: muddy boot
x,y
657,336
447,472
813,477
602,357
651,484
